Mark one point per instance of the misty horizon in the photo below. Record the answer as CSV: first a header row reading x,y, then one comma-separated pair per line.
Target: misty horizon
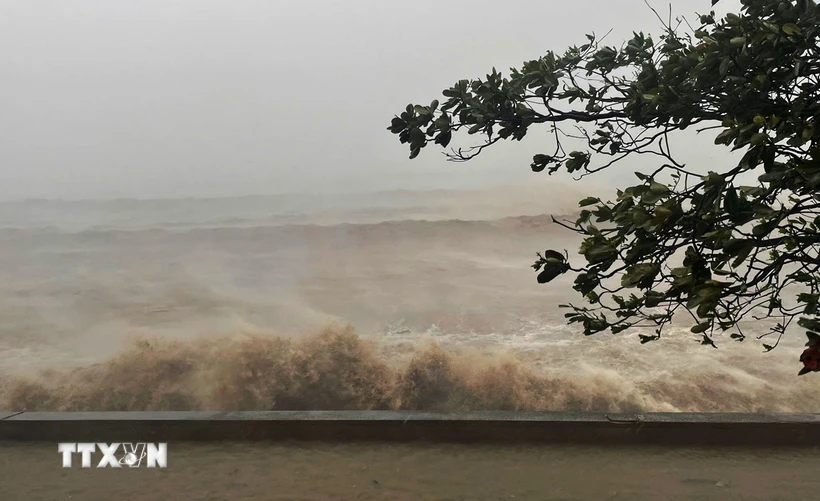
x,y
156,100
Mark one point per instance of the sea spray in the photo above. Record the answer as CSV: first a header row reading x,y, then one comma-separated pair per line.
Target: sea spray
x,y
337,369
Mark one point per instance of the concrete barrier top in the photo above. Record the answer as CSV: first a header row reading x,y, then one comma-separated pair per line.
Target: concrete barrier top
x,y
686,429
481,416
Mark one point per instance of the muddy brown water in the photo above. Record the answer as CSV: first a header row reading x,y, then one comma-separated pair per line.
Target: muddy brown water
x,y
396,472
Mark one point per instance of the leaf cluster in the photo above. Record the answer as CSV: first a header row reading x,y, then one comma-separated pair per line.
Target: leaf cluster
x,y
707,245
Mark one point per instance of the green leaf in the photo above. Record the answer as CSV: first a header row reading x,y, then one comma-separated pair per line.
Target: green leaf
x,y
444,138
791,29
577,161
758,139
640,274
702,327
551,271
421,110
616,329
661,215
765,228
600,253
725,137
730,200
554,255
653,299
397,125
724,66
658,188
811,301
588,201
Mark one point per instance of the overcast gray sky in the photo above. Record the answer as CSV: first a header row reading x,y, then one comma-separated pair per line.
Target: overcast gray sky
x,y
162,98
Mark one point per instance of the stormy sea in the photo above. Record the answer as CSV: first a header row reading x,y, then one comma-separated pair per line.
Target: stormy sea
x,y
390,300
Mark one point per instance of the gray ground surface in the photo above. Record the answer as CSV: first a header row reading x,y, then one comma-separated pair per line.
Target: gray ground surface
x,y
418,472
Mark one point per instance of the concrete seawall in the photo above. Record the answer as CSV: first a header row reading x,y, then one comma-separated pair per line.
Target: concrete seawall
x,y
685,429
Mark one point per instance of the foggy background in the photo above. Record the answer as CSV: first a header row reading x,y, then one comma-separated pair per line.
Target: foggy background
x,y
156,99
242,298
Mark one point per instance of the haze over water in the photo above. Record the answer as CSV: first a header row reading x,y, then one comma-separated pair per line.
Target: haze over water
x,y
244,304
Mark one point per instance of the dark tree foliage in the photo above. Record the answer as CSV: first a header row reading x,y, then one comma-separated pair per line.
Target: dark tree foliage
x,y
678,240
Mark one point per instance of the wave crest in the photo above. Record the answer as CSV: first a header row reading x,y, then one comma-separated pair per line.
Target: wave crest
x,y
336,369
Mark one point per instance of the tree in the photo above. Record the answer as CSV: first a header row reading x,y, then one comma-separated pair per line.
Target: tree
x,y
747,251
